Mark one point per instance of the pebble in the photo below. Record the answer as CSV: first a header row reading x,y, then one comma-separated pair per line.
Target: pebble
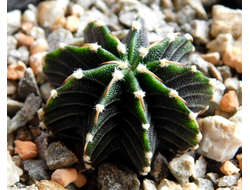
x,y
160,169
13,171
16,71
85,4
221,133
212,177
18,161
45,90
148,184
49,184
239,184
13,21
24,134
233,58
225,72
237,117
11,43
42,143
200,31
80,180
77,10
182,168
36,32
170,15
228,168
239,158
36,62
198,7
29,17
39,45
11,87
213,57
64,176
202,65
25,149
214,72
226,181
220,44
13,107
238,42
51,14
59,156
26,26
26,113
232,84
72,23
190,186
110,175
24,40
27,85
229,102
20,54
166,184
10,140
204,184
226,20
185,15
167,4
199,168
35,131
36,169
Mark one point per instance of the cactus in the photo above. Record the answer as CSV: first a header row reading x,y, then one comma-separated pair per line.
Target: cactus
x,y
125,99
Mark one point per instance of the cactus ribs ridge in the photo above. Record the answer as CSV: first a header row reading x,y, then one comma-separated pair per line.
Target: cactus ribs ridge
x,y
125,98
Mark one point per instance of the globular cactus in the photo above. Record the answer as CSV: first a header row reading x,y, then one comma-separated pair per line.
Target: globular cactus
x,y
125,99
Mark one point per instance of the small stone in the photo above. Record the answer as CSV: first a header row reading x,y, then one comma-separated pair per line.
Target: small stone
x,y
58,156
42,143
226,20
72,23
110,175
239,158
27,112
200,168
214,72
160,168
11,87
182,168
16,71
26,26
85,4
13,171
45,90
226,181
36,32
27,84
237,117
212,177
185,15
233,58
51,14
213,57
229,102
64,176
170,15
49,184
239,184
225,72
13,107
167,4
29,17
238,42
80,180
37,169
77,10
198,7
166,184
239,93
232,84
13,21
204,184
18,161
35,131
190,186
202,65
36,62
24,134
220,44
228,168
148,184
40,45
220,133
25,149
200,31
24,40
222,113
11,43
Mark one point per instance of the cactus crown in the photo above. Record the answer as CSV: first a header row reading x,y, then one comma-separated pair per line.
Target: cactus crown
x,y
125,98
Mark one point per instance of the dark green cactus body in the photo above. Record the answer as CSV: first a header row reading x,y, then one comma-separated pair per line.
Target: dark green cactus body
x,y
125,97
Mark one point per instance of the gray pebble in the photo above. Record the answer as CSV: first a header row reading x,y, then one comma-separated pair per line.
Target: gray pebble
x,y
13,107
225,71
27,112
42,143
200,31
20,54
45,90
59,156
200,63
185,15
85,4
37,169
226,181
18,161
13,21
37,32
212,177
148,184
200,168
204,184
11,87
35,131
110,176
11,43
214,72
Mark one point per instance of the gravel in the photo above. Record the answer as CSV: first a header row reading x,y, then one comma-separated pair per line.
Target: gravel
x,y
217,30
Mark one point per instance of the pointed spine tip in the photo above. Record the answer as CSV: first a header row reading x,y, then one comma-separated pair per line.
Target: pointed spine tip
x,y
89,137
117,74
145,126
40,113
99,108
53,93
139,94
136,25
121,48
143,51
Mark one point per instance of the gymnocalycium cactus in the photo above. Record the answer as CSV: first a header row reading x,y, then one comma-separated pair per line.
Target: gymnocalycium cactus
x,y
125,98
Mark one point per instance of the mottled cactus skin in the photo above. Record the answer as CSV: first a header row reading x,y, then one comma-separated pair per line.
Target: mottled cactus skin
x,y
125,99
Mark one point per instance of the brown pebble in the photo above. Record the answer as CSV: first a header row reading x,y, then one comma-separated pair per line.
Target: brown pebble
x,y
72,23
25,149
239,158
16,71
229,102
36,62
239,184
80,181
49,185
77,10
64,176
228,168
233,58
213,57
24,40
39,45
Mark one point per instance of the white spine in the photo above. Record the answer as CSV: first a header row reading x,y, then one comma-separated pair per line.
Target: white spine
x,y
78,74
53,93
136,25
